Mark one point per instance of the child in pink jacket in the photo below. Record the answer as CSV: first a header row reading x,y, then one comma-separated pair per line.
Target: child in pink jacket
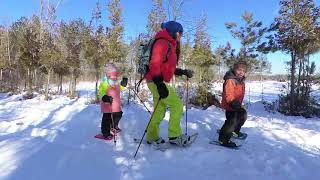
x,y
109,94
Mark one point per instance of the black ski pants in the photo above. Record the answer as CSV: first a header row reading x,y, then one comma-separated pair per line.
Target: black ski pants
x,y
234,122
107,124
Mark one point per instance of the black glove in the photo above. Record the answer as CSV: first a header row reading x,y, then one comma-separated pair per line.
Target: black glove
x,y
107,99
162,89
235,104
178,72
186,72
124,82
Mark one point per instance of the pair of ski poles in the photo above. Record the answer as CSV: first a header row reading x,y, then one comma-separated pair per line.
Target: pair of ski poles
x,y
145,131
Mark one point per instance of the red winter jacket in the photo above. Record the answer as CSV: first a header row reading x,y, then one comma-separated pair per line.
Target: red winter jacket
x,y
233,89
158,65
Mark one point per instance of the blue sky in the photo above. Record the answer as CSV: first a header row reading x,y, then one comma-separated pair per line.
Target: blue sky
x,y
135,14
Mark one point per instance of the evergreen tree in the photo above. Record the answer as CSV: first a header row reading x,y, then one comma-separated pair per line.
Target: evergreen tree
x,y
155,18
3,53
29,47
202,59
49,51
295,31
250,36
114,46
93,51
72,34
93,44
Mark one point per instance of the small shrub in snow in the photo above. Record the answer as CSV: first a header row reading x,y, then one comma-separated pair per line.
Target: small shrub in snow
x,y
271,107
28,96
205,99
200,99
304,106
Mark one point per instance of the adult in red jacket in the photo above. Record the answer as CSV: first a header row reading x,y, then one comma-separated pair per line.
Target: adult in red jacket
x,y
232,98
162,67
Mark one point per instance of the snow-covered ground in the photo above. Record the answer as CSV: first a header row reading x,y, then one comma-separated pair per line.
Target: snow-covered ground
x,y
54,140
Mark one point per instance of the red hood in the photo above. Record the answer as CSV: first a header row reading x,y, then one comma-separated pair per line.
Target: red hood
x,y
164,34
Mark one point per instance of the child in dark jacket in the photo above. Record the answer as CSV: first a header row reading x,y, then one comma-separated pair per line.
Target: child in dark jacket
x,y
233,94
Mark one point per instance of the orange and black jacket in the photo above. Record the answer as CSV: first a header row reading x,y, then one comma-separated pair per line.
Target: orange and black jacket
x,y
233,89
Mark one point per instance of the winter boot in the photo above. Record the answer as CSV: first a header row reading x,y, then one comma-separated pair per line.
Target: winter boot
x,y
158,141
228,144
239,135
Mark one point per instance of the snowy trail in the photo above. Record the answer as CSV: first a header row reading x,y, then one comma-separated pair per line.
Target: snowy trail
x,y
54,140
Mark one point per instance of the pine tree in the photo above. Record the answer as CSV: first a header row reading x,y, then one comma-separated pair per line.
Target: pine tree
x,y
295,30
115,50
202,59
61,66
93,51
49,57
250,36
49,51
155,18
3,53
93,44
72,34
29,46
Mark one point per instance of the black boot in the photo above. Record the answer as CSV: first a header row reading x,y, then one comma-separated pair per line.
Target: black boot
x,y
224,140
228,144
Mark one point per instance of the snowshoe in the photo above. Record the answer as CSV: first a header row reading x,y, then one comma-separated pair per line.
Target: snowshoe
x,y
183,140
228,144
115,130
240,135
107,137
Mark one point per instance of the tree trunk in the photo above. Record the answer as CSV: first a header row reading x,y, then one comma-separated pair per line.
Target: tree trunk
x,y
47,85
292,79
304,76
35,79
9,60
72,85
60,84
25,83
299,76
96,89
200,74
0,74
29,90
11,80
135,82
308,76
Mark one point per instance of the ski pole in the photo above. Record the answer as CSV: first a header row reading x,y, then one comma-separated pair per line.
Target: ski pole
x,y
146,128
187,106
114,132
134,91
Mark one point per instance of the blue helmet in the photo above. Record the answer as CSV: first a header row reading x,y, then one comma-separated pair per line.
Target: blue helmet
x,y
172,27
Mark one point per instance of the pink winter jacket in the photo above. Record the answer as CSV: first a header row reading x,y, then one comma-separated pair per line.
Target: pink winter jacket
x,y
114,92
